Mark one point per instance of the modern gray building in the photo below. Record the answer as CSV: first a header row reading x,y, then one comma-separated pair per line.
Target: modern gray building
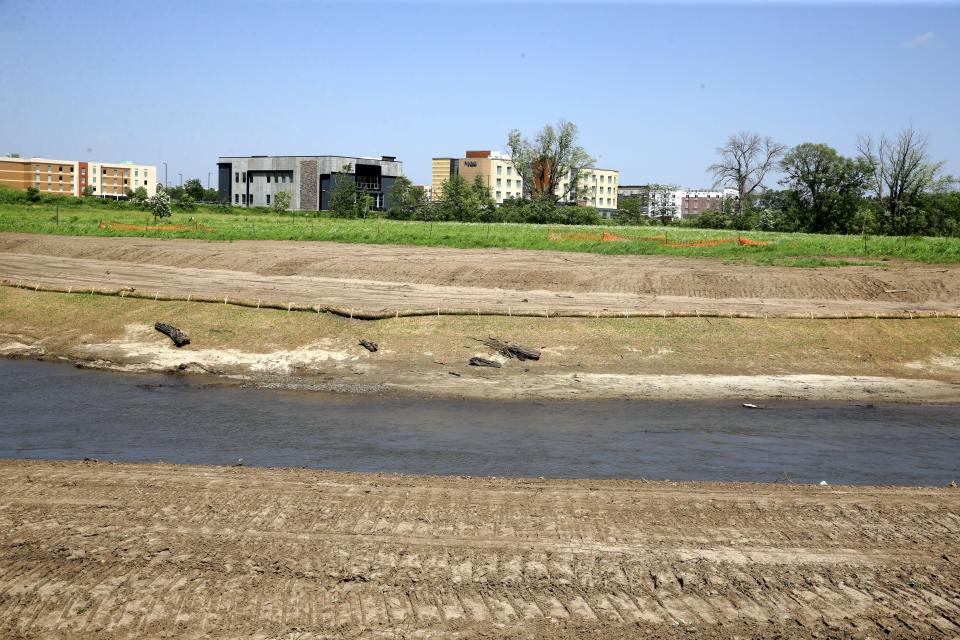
x,y
253,181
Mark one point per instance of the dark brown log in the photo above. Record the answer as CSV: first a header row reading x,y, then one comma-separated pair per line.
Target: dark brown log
x,y
369,346
512,349
483,362
523,352
179,337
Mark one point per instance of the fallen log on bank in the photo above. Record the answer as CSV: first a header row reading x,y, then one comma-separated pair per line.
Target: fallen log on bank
x,y
512,349
369,346
483,362
179,337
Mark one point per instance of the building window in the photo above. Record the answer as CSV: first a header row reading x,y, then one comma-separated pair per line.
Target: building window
x,y
498,179
499,169
144,183
498,195
268,195
509,170
236,176
268,182
244,177
236,198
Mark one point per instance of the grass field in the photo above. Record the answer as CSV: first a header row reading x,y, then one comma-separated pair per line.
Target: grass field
x,y
787,249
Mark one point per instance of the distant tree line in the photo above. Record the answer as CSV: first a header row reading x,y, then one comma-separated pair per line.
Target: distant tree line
x,y
891,187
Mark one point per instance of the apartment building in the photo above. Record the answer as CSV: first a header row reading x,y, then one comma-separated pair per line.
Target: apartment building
x,y
56,177
72,177
113,180
680,202
254,181
696,201
594,187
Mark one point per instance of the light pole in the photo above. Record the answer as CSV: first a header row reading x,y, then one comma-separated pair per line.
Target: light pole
x,y
181,180
166,182
208,178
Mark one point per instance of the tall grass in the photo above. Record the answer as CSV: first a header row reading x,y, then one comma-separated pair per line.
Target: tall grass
x,y
797,249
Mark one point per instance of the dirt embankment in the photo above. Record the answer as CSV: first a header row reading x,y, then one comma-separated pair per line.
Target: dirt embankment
x,y
377,277
95,550
899,360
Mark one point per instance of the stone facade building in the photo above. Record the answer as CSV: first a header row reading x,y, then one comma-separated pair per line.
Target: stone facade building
x,y
254,181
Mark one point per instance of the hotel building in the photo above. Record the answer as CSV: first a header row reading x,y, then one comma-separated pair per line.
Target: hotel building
x,y
72,177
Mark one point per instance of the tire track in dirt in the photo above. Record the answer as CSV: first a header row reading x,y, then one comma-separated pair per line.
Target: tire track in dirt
x,y
385,276
123,551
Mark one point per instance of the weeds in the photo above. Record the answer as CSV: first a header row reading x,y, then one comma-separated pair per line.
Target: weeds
x,y
214,223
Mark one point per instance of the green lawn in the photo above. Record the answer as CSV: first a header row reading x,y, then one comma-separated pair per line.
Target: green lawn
x,y
791,249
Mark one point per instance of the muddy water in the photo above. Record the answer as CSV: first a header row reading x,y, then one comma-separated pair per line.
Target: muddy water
x,y
56,411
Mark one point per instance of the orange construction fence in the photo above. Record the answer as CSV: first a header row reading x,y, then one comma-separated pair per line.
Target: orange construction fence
x,y
606,236
123,226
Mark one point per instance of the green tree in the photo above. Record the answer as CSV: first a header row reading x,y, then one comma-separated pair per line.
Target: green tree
x,y
194,188
139,197
363,204
662,202
630,212
825,188
160,205
406,200
458,200
33,194
901,171
186,202
553,157
210,195
281,201
343,196
485,204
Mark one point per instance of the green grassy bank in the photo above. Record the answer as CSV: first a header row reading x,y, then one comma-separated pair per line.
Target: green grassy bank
x,y
790,249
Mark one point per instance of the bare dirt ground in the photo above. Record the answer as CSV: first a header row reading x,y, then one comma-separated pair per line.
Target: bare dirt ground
x,y
665,358
378,277
97,550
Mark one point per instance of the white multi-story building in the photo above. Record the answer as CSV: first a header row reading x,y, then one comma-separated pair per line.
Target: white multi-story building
x,y
595,188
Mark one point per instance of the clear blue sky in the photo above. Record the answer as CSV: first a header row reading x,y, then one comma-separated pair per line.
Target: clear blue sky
x,y
654,88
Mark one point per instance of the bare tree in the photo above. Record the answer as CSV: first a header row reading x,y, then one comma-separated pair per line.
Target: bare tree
x,y
553,158
662,201
745,161
900,171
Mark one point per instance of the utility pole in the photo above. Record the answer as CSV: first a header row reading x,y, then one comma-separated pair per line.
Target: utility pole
x,y
181,180
166,181
208,178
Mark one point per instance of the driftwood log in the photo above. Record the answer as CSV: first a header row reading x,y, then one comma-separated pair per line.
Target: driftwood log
x,y
179,337
369,346
512,349
483,362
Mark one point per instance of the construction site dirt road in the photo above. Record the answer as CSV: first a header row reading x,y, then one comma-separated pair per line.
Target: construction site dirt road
x,y
99,550
387,277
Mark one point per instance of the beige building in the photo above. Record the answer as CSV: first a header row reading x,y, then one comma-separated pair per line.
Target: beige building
x,y
72,177
113,179
595,187
57,177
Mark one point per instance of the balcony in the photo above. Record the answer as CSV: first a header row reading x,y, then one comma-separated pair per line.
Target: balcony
x,y
368,183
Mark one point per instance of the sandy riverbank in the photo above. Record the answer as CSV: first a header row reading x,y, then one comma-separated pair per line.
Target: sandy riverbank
x,y
98,550
679,358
